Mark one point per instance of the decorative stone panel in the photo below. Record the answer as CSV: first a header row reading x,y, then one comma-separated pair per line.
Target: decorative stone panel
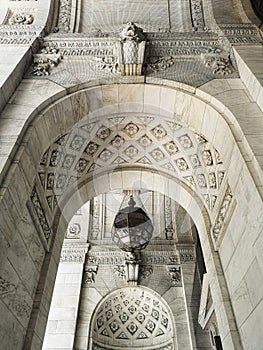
x,y
20,16
73,231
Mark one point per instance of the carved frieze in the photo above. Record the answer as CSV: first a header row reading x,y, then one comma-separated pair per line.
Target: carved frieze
x,y
147,258
159,258
74,253
95,221
187,254
243,33
171,47
14,36
106,258
78,46
120,271
169,229
144,271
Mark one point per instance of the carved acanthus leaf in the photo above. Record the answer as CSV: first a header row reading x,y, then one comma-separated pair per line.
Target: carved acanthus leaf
x,y
219,65
43,63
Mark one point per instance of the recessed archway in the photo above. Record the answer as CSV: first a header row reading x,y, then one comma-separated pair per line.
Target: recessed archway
x,y
134,318
62,116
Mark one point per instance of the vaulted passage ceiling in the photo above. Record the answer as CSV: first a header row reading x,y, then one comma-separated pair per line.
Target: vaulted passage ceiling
x,y
132,140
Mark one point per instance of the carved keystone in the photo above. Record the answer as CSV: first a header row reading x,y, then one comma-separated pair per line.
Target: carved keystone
x,y
130,50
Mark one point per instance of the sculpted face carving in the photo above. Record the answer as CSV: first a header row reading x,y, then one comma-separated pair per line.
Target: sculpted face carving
x,y
131,32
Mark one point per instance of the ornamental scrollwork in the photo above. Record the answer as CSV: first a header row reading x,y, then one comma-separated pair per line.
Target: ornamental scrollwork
x,y
21,18
73,231
223,212
43,63
161,64
41,214
219,65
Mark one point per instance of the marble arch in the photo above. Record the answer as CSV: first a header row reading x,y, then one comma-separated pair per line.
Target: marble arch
x,y
202,113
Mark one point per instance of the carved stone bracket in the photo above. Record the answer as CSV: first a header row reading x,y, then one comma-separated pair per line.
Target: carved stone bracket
x,y
130,50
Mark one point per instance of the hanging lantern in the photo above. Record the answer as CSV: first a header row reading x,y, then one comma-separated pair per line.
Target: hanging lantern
x,y
132,228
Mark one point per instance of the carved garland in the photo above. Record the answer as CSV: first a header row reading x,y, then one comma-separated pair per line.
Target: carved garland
x,y
196,8
222,215
63,24
41,214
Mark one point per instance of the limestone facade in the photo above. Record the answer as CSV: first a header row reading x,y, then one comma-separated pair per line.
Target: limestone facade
x,y
97,98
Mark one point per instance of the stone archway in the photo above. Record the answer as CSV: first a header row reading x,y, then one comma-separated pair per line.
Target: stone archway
x,y
61,117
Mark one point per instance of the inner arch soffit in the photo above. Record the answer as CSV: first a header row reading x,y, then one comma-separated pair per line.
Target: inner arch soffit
x,y
131,140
